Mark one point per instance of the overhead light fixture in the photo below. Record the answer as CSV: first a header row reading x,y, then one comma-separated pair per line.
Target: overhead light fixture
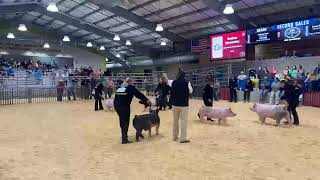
x,y
159,27
107,59
102,48
66,39
116,37
89,44
52,7
128,43
163,43
118,55
46,45
22,27
228,9
10,36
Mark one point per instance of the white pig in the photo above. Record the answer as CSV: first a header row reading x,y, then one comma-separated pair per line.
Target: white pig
x,y
109,104
276,112
219,113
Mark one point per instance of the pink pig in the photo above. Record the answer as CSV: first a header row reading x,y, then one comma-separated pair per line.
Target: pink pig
x,y
276,112
109,104
219,113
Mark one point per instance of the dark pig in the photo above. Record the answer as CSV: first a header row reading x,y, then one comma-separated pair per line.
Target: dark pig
x,y
146,122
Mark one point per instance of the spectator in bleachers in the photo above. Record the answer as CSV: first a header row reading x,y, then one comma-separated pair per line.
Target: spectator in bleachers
x,y
273,71
286,71
264,89
317,70
294,72
37,75
233,83
247,90
9,71
301,72
275,92
260,73
252,73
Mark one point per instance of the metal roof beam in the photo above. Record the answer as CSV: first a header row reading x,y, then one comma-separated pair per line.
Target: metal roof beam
x,y
119,11
170,8
219,6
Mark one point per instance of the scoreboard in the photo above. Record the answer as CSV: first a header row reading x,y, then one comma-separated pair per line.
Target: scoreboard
x,y
293,31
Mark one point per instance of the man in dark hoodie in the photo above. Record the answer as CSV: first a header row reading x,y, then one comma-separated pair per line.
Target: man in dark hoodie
x,y
122,102
98,96
291,96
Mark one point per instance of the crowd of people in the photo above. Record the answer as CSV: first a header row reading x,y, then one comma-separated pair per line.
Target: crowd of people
x,y
268,82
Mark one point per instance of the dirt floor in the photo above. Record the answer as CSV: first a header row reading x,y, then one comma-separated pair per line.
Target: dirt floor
x,y
58,141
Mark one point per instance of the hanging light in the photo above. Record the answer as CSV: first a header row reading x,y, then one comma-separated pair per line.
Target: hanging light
x,y
116,37
128,43
159,27
22,27
118,55
66,39
10,36
228,9
107,59
52,7
89,44
46,45
102,48
163,43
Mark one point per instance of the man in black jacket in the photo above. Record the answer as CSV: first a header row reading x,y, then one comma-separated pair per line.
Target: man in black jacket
x,y
122,101
163,89
233,84
179,98
98,92
291,96
207,93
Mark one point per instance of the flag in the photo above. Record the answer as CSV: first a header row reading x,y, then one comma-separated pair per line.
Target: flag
x,y
199,45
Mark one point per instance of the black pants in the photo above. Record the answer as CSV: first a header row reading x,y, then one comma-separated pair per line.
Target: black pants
x,y
164,102
233,95
246,96
71,91
98,104
207,102
109,92
292,109
124,119
59,94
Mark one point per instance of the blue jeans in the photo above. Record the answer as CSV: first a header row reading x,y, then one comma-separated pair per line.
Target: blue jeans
x,y
262,95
